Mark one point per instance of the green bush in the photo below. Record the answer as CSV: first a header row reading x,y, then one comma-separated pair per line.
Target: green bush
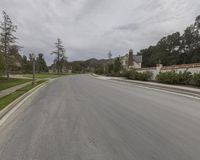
x,y
174,78
134,75
99,70
185,77
167,77
196,79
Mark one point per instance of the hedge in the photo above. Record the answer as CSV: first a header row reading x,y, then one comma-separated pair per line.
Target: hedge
x,y
196,79
142,76
185,78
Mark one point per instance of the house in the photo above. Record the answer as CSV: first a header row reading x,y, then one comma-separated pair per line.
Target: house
x,y
131,61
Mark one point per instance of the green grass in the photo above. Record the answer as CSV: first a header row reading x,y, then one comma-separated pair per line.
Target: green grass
x,y
42,75
4,83
4,101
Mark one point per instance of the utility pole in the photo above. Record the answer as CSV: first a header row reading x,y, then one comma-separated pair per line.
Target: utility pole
x,y
33,59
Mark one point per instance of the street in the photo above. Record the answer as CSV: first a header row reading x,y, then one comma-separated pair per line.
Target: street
x,y
80,117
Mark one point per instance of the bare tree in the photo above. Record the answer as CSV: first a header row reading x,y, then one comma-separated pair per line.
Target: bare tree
x,y
7,39
60,54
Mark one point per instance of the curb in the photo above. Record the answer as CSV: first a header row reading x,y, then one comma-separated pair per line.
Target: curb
x,y
10,106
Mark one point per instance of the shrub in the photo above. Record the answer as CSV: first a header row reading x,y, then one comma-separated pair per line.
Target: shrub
x,y
168,77
185,77
134,75
147,75
130,74
99,70
174,78
196,79
171,77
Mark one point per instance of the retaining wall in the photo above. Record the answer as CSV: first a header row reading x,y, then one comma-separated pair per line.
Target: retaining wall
x,y
193,68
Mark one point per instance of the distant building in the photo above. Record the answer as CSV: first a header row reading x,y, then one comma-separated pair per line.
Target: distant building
x,y
131,61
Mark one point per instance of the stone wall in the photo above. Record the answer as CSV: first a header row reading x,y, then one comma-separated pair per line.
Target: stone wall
x,y
193,68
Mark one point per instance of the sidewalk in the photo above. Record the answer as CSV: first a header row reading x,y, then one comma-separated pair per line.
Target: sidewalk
x,y
12,89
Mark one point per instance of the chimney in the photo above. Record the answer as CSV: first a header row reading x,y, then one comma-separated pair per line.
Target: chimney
x,y
130,58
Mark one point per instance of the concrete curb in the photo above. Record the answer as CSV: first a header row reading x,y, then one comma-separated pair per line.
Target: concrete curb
x,y
9,107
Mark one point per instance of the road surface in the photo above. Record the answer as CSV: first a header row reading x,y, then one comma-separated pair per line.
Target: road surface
x,y
83,118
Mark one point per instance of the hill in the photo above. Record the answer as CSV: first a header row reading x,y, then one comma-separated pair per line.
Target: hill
x,y
88,65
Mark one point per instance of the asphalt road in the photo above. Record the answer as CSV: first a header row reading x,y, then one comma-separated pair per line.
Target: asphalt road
x,y
83,118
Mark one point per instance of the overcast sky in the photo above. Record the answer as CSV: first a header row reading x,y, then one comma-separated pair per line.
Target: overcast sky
x,y
90,28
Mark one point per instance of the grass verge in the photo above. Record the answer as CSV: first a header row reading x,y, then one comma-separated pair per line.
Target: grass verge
x,y
43,75
8,83
4,101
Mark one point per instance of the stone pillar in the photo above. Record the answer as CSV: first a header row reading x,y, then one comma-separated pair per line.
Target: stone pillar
x,y
158,67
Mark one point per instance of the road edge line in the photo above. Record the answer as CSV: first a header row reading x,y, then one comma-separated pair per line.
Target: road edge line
x,y
20,99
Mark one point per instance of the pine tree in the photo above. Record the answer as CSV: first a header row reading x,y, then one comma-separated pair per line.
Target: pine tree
x,y
60,54
7,39
117,65
41,65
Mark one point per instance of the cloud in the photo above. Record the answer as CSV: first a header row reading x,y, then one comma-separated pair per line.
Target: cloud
x,y
90,28
131,27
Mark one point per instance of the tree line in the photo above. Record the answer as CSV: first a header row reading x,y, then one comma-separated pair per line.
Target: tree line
x,y
11,61
175,49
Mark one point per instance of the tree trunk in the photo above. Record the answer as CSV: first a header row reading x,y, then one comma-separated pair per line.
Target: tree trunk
x,y
7,75
6,67
7,71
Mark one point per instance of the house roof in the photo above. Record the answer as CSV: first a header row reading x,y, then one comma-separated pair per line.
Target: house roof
x,y
137,58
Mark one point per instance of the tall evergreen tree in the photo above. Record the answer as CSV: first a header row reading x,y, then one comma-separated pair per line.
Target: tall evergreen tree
x,y
26,66
117,66
7,38
60,54
175,48
41,65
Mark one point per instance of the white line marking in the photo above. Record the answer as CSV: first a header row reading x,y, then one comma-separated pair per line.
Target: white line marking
x,y
14,109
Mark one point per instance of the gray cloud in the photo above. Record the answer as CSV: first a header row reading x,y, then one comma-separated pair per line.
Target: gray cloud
x,y
90,28
131,27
